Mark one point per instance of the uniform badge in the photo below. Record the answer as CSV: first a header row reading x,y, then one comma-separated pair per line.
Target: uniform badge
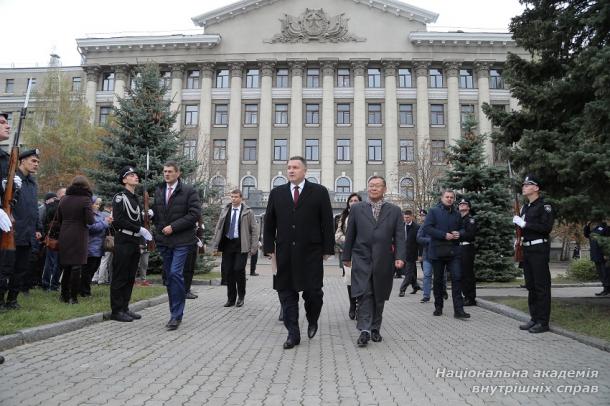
x,y
547,207
471,221
118,198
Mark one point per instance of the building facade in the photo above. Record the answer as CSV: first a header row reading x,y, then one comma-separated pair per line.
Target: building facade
x,y
359,88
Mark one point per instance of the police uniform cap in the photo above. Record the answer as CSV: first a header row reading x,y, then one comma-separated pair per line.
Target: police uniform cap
x,y
126,170
49,195
532,180
29,153
423,212
464,201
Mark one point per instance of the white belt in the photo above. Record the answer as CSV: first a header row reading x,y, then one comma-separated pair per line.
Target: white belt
x,y
130,233
534,242
465,243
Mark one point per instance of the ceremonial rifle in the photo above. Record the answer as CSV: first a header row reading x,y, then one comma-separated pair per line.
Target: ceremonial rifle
x,y
517,210
150,245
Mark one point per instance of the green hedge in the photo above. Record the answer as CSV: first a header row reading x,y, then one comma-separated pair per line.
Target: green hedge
x,y
583,270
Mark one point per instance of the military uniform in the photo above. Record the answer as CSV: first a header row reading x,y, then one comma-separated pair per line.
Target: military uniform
x,y
467,247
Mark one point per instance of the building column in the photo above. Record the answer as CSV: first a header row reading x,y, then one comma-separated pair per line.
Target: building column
x,y
360,146
205,121
295,146
454,126
233,141
482,70
423,108
327,157
176,92
121,75
92,73
391,127
264,129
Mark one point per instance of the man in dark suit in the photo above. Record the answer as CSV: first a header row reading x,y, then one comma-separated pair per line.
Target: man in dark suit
x,y
413,254
299,235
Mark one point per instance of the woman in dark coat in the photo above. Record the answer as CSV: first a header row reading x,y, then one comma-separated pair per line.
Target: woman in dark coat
x,y
74,214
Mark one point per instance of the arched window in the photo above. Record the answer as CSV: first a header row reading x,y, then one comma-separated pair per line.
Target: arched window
x,y
218,185
248,184
407,188
343,185
279,181
312,179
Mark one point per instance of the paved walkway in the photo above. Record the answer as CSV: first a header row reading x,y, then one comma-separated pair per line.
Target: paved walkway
x,y
234,356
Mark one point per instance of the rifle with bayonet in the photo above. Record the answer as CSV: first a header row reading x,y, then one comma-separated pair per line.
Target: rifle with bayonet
x,y
517,211
150,245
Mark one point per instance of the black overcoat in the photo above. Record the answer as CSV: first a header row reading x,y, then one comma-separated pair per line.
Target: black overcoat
x,y
181,212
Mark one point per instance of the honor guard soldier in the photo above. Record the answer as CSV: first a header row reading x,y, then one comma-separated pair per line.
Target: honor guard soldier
x,y
469,286
127,222
536,221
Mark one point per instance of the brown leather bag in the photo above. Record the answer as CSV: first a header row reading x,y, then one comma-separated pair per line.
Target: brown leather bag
x,y
50,242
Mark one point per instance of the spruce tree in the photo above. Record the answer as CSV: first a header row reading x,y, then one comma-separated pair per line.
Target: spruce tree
x,y
487,189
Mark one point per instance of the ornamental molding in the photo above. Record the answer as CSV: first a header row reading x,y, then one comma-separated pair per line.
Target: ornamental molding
x,y
159,42
314,25
468,39
452,67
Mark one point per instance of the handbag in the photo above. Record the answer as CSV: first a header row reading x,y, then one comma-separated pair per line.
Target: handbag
x,y
50,242
446,249
108,244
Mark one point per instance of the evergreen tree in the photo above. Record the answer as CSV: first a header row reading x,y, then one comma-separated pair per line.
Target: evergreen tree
x,y
487,189
142,121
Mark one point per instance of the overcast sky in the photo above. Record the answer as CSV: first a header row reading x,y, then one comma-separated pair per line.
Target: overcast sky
x,y
31,29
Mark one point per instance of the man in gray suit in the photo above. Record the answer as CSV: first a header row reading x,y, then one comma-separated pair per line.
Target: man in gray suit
x,y
374,246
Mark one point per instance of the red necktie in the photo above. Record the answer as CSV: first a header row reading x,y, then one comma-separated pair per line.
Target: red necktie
x,y
169,194
295,194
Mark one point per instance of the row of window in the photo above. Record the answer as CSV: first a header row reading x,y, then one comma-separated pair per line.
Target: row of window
x,y
312,150
9,84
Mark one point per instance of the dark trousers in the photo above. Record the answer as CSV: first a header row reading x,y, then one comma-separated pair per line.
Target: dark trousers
x,y
604,273
469,287
253,262
538,282
290,307
410,270
13,268
124,267
234,266
370,309
452,264
87,275
70,281
51,272
189,268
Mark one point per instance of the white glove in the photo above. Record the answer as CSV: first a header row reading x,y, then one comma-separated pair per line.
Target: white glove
x,y
146,234
519,221
5,222
199,243
16,183
150,213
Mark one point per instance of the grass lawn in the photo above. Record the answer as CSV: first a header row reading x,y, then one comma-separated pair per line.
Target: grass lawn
x,y
41,307
589,317
517,282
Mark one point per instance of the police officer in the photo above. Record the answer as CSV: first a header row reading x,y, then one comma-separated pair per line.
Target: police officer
x,y
536,221
127,222
469,287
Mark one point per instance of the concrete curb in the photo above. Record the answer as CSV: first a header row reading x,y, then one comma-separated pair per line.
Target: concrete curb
x,y
553,286
196,282
30,335
522,317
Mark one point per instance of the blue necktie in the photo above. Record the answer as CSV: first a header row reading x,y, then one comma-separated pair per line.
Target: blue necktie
x,y
232,233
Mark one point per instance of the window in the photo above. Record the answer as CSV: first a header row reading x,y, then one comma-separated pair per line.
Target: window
x,y
375,150
165,79
406,115
437,114
437,149
436,78
404,78
374,77
33,83
132,81
189,149
343,150
343,185
312,114
281,78
466,112
9,86
107,82
312,179
280,150
191,116
220,150
343,78
221,114
251,117
104,114
252,79
313,77
466,79
495,79
222,79
281,114
312,150
374,114
279,181
248,184
407,188
249,150
76,80
218,185
192,79
407,150
343,114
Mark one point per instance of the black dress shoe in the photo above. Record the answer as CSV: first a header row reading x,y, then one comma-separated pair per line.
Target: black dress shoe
x,y
120,316
291,342
73,301
240,302
401,294
253,274
538,328
470,302
415,289
605,292
364,338
375,336
461,314
229,304
312,329
438,312
352,313
527,325
13,305
190,295
172,324
133,315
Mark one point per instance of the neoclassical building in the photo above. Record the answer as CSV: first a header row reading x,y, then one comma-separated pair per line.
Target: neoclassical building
x,y
356,87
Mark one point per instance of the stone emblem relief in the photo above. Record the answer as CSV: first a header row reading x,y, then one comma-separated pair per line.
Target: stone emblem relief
x,y
314,25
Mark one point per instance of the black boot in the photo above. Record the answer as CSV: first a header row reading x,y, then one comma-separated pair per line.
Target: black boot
x,y
11,300
65,284
74,284
2,293
352,304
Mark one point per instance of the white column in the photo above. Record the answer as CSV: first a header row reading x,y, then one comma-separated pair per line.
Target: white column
x,y
360,146
453,101
391,127
177,75
296,109
264,133
423,114
205,121
92,73
121,74
482,71
327,158
233,147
